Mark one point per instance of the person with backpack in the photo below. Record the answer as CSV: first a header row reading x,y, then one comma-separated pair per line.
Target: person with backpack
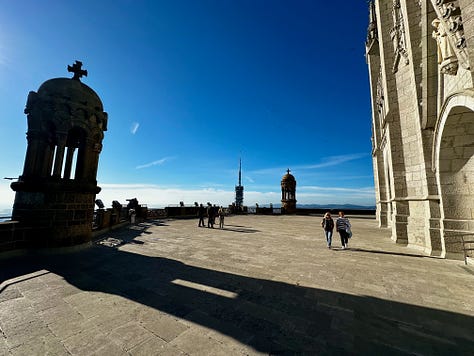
x,y
328,226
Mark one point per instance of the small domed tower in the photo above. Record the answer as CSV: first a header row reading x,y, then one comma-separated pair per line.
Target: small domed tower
x,y
55,194
288,193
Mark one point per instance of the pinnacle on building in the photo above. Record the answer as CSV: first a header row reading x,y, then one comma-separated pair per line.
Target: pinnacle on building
x,y
239,189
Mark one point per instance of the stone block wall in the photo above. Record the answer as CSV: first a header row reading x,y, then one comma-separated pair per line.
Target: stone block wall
x,y
56,218
452,84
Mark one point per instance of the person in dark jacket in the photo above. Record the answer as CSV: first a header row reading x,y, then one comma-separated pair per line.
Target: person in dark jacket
x,y
210,216
201,214
328,225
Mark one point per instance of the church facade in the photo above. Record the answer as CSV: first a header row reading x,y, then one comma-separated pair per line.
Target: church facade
x,y
420,56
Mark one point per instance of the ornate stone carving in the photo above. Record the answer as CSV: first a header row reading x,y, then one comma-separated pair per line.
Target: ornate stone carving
x,y
372,28
449,34
397,34
380,99
447,58
97,147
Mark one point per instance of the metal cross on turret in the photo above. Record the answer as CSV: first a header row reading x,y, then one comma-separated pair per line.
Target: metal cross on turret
x,y
77,70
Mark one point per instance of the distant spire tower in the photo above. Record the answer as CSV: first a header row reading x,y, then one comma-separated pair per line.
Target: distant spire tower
x,y
240,171
239,189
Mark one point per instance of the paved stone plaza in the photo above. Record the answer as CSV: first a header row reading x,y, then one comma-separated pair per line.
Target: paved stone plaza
x,y
263,285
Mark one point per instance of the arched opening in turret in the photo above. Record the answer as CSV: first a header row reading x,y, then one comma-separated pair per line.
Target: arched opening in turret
x,y
49,132
75,146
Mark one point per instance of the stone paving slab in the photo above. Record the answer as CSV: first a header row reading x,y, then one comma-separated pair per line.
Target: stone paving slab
x,y
262,285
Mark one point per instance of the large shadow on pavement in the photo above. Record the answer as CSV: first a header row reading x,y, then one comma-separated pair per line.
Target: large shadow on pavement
x,y
381,252
270,316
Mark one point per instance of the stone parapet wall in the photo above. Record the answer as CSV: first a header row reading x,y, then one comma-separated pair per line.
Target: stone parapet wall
x,y
14,236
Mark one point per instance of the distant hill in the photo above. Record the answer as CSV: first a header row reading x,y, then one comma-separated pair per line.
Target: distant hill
x,y
326,206
335,206
5,212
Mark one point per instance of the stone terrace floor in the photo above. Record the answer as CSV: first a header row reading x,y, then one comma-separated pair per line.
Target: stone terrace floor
x,y
262,285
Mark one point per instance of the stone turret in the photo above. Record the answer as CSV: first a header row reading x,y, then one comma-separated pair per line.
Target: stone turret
x,y
55,194
288,193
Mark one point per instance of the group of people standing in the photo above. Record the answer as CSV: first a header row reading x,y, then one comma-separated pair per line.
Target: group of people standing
x,y
212,211
342,224
343,227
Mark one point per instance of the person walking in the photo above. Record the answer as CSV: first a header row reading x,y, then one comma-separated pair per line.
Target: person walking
x,y
221,217
343,227
210,216
328,226
201,213
215,211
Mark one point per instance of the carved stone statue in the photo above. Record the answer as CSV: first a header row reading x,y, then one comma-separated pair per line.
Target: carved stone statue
x,y
446,55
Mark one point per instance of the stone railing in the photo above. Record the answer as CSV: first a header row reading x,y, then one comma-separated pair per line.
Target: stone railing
x,y
464,242
106,219
13,235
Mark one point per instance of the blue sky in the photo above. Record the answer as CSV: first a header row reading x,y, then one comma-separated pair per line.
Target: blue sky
x,y
190,86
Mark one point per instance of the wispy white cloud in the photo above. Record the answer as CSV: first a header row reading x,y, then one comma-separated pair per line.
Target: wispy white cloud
x,y
336,195
134,128
334,161
327,162
269,171
349,178
249,179
210,185
159,196
338,189
154,163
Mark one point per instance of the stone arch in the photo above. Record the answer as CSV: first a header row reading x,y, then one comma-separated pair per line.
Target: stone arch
x,y
453,161
387,192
